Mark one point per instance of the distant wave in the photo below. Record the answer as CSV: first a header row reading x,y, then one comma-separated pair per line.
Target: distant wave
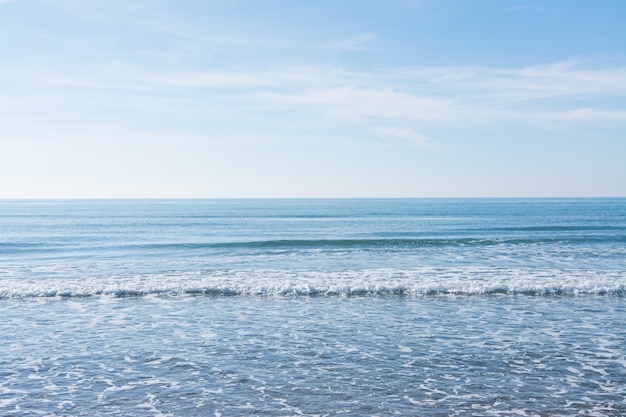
x,y
295,244
573,228
392,242
418,282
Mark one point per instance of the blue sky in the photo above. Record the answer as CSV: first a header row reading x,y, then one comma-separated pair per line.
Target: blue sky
x,y
394,98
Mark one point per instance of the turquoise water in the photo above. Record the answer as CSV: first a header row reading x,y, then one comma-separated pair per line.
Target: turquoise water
x,y
313,307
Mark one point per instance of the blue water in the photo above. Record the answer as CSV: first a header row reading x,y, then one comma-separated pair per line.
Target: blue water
x,y
313,307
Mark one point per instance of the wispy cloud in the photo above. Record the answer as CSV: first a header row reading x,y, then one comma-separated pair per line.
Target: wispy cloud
x,y
404,134
580,115
354,43
361,105
208,80
386,103
556,93
560,79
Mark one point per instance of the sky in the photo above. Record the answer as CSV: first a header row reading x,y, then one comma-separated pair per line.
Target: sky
x,y
325,98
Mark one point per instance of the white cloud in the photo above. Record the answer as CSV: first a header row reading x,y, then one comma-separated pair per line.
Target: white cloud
x,y
211,80
580,115
560,79
459,96
404,134
390,103
370,105
354,43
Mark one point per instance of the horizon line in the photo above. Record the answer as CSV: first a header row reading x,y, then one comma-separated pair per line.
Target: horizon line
x,y
310,198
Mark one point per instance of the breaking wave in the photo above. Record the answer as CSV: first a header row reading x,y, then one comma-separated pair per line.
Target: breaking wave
x,y
418,282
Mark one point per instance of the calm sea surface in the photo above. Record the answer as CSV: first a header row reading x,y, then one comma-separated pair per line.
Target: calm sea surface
x,y
313,307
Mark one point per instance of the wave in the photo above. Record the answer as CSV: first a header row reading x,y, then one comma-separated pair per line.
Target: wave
x,y
418,282
572,228
295,244
372,243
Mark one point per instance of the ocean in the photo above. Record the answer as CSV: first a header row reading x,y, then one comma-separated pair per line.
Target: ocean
x,y
356,307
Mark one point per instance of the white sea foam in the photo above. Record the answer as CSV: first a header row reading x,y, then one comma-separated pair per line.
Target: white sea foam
x,y
420,281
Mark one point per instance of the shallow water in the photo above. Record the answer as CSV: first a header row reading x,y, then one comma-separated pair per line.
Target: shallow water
x,y
368,355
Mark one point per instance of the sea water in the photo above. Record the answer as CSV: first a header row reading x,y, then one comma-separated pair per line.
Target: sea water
x,y
313,307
